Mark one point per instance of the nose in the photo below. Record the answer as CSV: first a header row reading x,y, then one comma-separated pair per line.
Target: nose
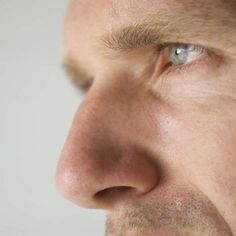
x,y
101,165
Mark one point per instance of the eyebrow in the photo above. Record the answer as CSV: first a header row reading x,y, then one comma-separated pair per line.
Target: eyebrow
x,y
131,37
77,74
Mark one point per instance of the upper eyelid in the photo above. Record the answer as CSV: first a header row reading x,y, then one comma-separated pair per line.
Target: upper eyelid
x,y
162,46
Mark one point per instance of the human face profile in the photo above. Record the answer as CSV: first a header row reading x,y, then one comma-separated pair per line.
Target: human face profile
x,y
153,142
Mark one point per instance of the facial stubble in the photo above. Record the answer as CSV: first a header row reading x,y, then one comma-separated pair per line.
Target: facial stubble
x,y
186,213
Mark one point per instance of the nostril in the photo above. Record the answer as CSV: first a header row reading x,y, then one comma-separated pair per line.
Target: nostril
x,y
114,193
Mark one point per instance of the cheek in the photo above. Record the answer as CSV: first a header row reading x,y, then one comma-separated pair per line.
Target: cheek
x,y
204,145
203,99
208,144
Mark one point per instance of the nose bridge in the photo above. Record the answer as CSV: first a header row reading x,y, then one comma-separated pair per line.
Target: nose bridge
x,y
110,109
97,157
100,115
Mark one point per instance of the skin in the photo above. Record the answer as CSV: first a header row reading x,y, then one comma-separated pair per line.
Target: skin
x,y
153,145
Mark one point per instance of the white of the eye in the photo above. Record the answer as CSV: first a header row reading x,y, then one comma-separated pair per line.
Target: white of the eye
x,y
193,54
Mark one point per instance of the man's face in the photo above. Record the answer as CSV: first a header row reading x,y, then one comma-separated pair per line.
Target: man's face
x,y
154,140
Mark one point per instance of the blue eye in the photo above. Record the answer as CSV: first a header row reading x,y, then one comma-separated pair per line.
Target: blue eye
x,y
181,54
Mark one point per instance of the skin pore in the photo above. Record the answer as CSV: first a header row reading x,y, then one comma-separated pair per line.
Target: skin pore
x,y
153,143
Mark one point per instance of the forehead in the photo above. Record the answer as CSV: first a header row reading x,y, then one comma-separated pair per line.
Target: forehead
x,y
126,9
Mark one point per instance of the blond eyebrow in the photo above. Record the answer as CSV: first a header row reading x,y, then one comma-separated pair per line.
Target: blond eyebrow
x,y
133,37
77,74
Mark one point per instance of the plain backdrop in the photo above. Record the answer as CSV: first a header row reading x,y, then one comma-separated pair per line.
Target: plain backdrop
x,y
37,104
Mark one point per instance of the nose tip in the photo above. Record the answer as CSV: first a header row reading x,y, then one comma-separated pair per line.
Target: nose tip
x,y
105,181
103,163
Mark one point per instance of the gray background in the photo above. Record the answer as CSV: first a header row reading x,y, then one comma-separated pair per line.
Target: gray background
x,y
36,107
